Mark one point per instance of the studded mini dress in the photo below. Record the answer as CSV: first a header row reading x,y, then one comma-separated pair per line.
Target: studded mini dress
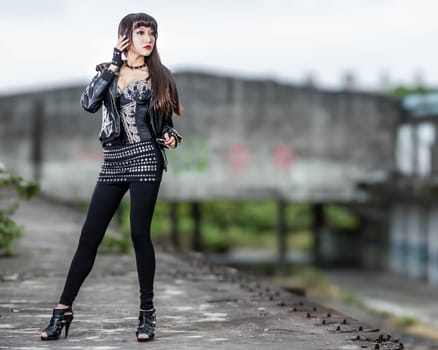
x,y
134,156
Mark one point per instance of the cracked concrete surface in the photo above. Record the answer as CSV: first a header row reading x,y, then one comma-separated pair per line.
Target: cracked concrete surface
x,y
199,304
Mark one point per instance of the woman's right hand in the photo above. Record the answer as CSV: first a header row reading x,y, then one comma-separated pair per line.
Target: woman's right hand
x,y
117,62
122,43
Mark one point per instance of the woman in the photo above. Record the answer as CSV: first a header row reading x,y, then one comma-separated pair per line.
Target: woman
x,y
139,97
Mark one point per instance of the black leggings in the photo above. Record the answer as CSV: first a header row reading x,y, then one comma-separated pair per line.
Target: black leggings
x,y
103,204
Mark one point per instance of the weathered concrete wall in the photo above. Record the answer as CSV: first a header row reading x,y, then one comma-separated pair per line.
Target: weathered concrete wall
x,y
242,138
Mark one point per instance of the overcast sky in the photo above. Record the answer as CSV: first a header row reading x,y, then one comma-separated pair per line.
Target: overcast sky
x,y
58,42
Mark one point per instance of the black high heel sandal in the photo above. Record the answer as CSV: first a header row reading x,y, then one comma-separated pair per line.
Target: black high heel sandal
x,y
146,325
57,322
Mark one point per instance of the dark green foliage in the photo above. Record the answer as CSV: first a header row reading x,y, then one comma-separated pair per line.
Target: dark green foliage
x,y
24,188
340,218
9,230
403,91
230,224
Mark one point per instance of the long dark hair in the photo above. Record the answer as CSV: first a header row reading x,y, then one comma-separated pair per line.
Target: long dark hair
x,y
164,92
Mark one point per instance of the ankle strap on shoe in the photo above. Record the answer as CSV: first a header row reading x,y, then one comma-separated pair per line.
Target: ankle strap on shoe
x,y
67,309
151,310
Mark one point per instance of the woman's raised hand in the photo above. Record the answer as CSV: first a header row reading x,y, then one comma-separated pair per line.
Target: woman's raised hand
x,y
122,43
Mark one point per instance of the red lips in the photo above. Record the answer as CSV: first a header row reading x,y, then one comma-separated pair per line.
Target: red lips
x,y
148,47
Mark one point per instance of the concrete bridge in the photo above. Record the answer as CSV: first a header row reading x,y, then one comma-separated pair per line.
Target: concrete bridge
x,y
242,139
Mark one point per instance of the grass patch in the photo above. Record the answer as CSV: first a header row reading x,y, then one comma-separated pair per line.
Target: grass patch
x,y
404,321
347,297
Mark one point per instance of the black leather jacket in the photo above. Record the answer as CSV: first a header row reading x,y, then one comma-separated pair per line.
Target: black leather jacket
x,y
101,91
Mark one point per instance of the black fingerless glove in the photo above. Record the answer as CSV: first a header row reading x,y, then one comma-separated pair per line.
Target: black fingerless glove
x,y
176,135
117,57
173,133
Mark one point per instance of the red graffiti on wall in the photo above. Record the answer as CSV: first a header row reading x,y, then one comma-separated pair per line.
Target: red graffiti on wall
x,y
282,156
88,156
238,157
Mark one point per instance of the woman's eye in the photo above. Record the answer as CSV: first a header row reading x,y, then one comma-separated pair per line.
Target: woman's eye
x,y
142,32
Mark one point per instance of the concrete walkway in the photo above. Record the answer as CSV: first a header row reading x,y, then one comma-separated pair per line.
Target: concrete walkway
x,y
200,305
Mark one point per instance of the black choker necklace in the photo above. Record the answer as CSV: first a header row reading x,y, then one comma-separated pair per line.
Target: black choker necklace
x,y
135,67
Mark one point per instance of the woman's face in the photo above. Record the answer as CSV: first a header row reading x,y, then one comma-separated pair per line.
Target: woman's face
x,y
143,41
